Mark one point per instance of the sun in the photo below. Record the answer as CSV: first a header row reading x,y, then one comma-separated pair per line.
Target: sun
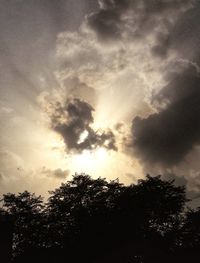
x,y
89,161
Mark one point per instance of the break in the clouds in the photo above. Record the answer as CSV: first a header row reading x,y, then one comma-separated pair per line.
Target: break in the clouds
x,y
73,121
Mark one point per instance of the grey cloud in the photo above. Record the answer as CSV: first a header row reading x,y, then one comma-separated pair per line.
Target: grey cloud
x,y
168,136
107,21
106,24
183,36
137,17
192,187
116,4
57,173
178,180
77,89
162,46
119,126
73,122
192,184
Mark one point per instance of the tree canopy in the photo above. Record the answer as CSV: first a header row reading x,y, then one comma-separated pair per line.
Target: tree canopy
x,y
93,220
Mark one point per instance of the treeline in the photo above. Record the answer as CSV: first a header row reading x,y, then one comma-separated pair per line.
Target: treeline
x,y
93,220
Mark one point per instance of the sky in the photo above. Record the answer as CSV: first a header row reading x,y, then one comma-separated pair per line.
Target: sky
x,y
110,88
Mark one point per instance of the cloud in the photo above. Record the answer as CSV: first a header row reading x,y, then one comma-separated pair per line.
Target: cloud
x,y
73,121
140,34
116,80
16,176
116,62
185,34
74,88
167,136
191,182
178,180
57,173
135,18
106,23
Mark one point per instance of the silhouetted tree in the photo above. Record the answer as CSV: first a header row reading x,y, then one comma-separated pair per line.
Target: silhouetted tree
x,y
97,214
189,246
25,209
146,217
80,213
93,220
6,234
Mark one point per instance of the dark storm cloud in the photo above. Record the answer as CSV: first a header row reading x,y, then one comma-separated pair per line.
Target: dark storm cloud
x,y
73,122
168,136
137,17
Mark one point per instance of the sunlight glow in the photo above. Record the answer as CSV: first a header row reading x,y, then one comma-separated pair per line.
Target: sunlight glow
x,y
83,136
90,160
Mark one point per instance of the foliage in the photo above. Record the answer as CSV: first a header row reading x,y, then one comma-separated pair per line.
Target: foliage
x,y
94,220
25,211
